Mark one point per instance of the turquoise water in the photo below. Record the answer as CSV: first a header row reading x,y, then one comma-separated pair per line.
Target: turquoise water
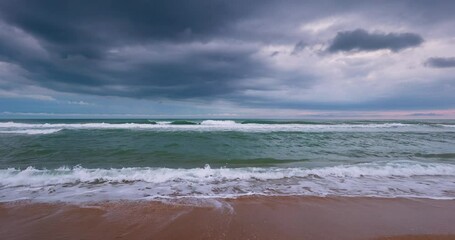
x,y
207,158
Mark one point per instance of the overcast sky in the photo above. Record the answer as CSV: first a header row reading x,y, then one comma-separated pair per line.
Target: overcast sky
x,y
227,59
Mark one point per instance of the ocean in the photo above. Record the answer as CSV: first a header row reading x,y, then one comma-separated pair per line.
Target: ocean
x,y
129,159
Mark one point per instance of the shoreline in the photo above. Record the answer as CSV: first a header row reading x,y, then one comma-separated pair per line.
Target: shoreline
x,y
290,217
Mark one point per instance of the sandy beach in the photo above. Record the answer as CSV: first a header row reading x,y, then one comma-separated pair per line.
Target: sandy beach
x,y
245,218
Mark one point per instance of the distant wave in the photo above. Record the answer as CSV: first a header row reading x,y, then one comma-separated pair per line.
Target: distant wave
x,y
182,122
388,179
32,131
223,125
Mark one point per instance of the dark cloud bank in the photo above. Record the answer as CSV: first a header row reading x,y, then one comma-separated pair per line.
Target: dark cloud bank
x,y
361,40
78,37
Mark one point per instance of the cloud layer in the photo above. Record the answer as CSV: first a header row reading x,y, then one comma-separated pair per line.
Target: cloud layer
x,y
231,56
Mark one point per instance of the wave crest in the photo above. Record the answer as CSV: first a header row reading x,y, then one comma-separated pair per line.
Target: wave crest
x,y
222,125
379,179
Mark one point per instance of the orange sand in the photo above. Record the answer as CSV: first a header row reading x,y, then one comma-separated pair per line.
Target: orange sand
x,y
246,218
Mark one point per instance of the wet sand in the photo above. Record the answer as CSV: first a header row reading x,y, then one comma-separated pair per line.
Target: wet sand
x,y
245,218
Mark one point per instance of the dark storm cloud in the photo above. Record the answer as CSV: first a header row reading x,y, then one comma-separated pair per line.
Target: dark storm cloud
x,y
79,35
197,74
361,40
89,27
70,22
439,62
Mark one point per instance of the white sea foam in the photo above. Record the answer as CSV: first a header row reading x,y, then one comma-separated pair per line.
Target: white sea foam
x,y
393,179
222,125
32,131
163,122
219,122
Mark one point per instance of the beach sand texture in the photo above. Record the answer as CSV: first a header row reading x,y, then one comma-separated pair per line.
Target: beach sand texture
x,y
244,218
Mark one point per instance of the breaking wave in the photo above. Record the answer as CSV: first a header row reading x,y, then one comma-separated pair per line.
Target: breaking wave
x,y
388,179
32,131
222,125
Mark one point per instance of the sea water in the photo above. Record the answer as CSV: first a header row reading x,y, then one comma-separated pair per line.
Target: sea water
x,y
147,159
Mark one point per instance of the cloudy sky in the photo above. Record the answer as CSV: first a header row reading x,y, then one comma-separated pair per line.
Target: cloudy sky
x,y
227,59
